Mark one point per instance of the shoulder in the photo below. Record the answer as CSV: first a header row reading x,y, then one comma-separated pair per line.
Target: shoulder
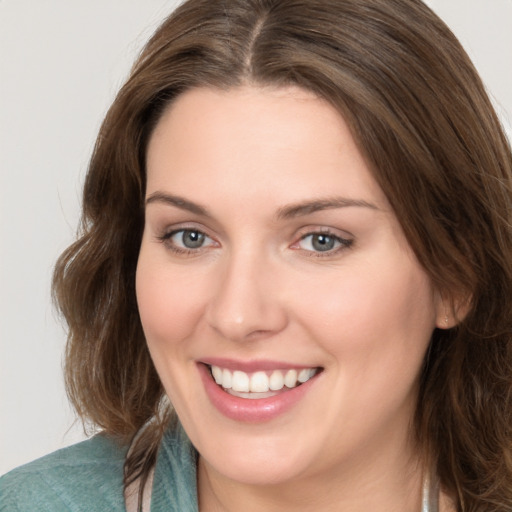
x,y
87,476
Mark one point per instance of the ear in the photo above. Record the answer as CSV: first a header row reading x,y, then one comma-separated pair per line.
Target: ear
x,y
451,309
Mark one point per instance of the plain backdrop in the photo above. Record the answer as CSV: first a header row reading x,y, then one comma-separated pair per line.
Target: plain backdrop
x,y
61,64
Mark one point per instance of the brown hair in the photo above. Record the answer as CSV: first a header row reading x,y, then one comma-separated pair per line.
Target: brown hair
x,y
421,117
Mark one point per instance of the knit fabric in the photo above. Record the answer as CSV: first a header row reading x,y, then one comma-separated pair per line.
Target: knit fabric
x,y
88,477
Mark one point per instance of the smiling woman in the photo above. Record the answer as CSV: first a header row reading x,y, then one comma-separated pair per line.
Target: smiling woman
x,y
270,280
293,286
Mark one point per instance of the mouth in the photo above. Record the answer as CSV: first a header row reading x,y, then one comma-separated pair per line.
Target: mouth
x,y
256,391
261,383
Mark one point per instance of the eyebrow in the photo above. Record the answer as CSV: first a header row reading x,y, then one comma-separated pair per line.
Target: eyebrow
x,y
179,202
286,212
308,207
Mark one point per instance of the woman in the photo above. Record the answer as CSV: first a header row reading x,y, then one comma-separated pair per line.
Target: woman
x,y
296,228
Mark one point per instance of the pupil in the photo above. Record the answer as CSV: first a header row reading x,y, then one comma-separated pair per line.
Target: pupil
x,y
193,239
323,242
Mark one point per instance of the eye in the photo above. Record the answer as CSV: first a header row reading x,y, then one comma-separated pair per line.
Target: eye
x,y
323,243
188,239
185,240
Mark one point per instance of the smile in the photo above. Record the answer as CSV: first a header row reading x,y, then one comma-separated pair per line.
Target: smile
x,y
258,392
258,382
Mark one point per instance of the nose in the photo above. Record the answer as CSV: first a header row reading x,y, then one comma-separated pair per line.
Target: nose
x,y
245,303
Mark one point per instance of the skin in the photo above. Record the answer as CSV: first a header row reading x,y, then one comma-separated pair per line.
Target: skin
x,y
258,288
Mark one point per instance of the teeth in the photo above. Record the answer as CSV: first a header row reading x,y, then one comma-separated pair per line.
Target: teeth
x,y
290,379
240,381
276,381
227,379
306,374
260,382
217,374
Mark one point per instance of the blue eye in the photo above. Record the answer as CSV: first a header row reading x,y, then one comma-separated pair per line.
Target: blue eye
x,y
188,238
183,240
323,242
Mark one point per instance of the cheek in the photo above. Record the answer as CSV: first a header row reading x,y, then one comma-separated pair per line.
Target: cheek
x,y
169,303
371,310
376,327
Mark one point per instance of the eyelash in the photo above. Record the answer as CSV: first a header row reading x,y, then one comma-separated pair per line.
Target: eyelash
x,y
166,240
344,243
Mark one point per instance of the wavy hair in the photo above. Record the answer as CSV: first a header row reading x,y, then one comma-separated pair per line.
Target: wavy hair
x,y
421,117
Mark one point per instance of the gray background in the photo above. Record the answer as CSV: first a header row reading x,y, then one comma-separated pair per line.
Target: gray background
x,y
61,63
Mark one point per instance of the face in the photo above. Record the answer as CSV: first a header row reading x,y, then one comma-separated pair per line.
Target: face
x,y
286,315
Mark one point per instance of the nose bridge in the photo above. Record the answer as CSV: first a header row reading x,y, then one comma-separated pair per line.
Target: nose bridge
x,y
245,302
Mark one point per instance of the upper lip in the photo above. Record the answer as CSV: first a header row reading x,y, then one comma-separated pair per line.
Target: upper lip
x,y
252,365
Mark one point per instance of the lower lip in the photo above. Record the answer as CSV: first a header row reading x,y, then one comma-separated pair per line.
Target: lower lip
x,y
248,410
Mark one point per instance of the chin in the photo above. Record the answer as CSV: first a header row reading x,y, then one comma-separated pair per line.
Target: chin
x,y
265,471
257,460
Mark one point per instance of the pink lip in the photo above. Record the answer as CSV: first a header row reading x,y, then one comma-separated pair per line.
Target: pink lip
x,y
255,410
251,366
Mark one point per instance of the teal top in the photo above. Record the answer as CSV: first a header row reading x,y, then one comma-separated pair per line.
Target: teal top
x,y
88,477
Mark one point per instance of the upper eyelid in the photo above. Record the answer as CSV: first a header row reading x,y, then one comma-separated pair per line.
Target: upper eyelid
x,y
174,230
326,233
161,218
170,228
324,230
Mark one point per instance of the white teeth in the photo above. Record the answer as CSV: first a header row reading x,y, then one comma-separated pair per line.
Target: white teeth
x,y
260,382
306,374
240,381
227,379
290,379
276,381
217,374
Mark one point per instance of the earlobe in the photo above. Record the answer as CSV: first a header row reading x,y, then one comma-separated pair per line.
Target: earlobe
x,y
446,321
451,311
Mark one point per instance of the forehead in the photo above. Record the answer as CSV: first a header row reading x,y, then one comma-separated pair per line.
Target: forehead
x,y
250,140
